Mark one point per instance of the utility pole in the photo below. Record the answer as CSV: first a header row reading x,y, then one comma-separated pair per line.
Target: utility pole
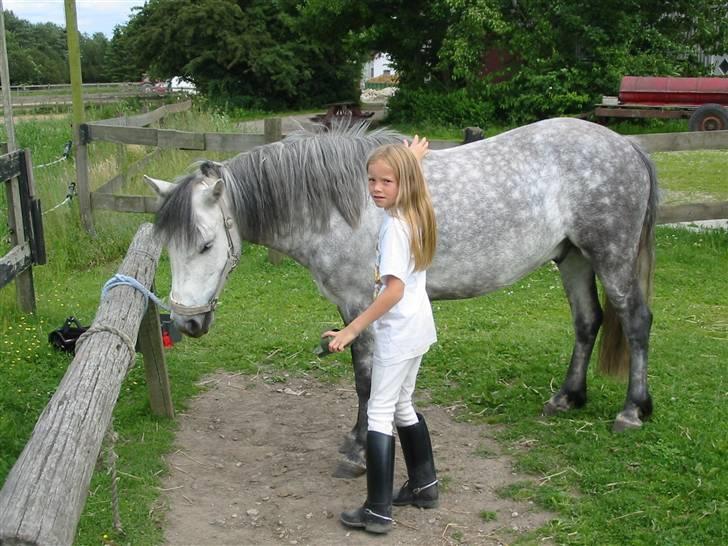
x,y
81,155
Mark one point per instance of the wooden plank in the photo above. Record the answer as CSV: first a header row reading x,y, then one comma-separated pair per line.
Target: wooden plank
x,y
124,135
676,142
180,140
114,184
125,203
692,212
10,165
45,491
14,262
155,366
232,142
83,187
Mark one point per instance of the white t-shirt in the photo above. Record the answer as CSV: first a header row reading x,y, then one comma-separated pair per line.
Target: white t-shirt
x,y
408,329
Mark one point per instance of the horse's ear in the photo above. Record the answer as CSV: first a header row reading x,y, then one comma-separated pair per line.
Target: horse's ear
x,y
214,193
162,188
210,169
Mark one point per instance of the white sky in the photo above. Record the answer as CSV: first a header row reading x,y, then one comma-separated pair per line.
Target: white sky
x,y
93,15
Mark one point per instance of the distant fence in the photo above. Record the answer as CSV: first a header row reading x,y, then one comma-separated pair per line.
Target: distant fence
x,y
26,227
45,491
134,130
31,96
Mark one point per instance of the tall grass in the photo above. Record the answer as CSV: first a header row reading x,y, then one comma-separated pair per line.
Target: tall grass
x,y
499,358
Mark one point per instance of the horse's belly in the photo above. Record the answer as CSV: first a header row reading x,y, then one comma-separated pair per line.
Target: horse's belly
x,y
475,271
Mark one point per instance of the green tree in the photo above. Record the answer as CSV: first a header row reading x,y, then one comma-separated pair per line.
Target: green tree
x,y
250,52
561,54
93,58
37,53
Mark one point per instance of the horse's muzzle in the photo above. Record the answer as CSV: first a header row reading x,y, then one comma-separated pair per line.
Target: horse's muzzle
x,y
193,325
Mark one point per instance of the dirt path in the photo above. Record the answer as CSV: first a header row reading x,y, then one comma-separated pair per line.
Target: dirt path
x,y
255,460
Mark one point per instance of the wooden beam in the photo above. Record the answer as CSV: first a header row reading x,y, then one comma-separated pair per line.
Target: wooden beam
x,y
692,212
14,262
155,365
125,135
10,165
125,203
232,142
45,491
678,142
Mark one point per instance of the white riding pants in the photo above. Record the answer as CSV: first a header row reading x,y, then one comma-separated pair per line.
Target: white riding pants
x,y
390,400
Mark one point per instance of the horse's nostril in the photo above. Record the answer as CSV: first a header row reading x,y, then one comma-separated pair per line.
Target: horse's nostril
x,y
192,326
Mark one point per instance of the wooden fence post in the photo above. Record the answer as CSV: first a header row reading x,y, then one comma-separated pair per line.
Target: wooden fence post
x,y
273,132
155,365
79,137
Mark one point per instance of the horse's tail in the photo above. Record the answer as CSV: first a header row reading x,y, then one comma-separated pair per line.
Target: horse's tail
x,y
613,346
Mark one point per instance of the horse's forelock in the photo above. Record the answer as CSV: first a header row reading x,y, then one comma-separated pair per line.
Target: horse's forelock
x,y
176,218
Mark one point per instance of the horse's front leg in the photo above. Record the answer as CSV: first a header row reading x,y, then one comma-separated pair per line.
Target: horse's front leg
x,y
353,462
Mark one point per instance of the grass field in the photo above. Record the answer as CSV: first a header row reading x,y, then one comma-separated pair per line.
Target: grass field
x,y
499,358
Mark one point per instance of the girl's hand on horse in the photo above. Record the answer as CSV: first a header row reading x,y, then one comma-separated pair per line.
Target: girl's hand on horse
x,y
420,147
341,339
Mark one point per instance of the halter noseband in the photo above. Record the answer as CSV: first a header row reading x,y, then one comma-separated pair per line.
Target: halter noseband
x,y
233,257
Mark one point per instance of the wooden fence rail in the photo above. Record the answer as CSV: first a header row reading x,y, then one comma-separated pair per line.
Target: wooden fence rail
x,y
45,492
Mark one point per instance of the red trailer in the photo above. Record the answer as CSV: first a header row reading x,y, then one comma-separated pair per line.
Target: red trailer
x,y
702,100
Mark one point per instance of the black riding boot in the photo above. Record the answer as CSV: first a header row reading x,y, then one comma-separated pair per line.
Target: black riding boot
x,y
376,514
421,487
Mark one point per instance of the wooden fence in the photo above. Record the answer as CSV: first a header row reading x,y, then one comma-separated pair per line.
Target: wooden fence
x,y
134,130
26,227
44,493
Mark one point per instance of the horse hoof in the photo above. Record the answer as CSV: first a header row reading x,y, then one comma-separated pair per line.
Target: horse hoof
x,y
626,422
347,469
557,404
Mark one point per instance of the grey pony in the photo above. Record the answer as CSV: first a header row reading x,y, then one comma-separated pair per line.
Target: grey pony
x,y
561,190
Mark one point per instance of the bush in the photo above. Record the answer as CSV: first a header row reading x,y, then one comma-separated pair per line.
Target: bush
x,y
459,108
528,97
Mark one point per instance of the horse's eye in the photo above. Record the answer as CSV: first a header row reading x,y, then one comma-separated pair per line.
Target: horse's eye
x,y
205,247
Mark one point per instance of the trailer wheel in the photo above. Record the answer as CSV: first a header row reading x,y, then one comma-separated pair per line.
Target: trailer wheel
x,y
709,117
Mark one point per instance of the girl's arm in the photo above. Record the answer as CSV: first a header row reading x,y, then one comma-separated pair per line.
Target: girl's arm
x,y
387,298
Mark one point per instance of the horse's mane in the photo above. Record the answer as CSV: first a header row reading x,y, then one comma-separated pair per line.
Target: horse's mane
x,y
301,179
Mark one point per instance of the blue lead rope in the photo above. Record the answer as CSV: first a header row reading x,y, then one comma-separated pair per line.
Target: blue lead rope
x,y
118,280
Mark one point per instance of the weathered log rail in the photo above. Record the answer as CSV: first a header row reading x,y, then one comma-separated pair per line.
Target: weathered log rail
x,y
44,493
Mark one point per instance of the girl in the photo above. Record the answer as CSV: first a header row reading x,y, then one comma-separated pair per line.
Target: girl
x,y
401,318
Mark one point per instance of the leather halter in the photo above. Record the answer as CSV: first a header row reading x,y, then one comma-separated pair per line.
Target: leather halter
x,y
233,257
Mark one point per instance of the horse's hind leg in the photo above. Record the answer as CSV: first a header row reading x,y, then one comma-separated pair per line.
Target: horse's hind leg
x,y
579,283
636,319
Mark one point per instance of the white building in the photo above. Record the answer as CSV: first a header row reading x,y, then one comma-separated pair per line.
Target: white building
x,y
377,65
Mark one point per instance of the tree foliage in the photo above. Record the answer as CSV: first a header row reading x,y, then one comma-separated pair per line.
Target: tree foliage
x,y
250,52
37,53
560,55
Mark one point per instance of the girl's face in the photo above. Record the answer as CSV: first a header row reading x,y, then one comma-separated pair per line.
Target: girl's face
x,y
383,185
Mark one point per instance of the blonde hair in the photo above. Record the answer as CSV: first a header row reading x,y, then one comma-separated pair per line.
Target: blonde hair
x,y
413,203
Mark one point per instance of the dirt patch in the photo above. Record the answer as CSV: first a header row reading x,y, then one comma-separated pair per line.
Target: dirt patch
x,y
255,460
